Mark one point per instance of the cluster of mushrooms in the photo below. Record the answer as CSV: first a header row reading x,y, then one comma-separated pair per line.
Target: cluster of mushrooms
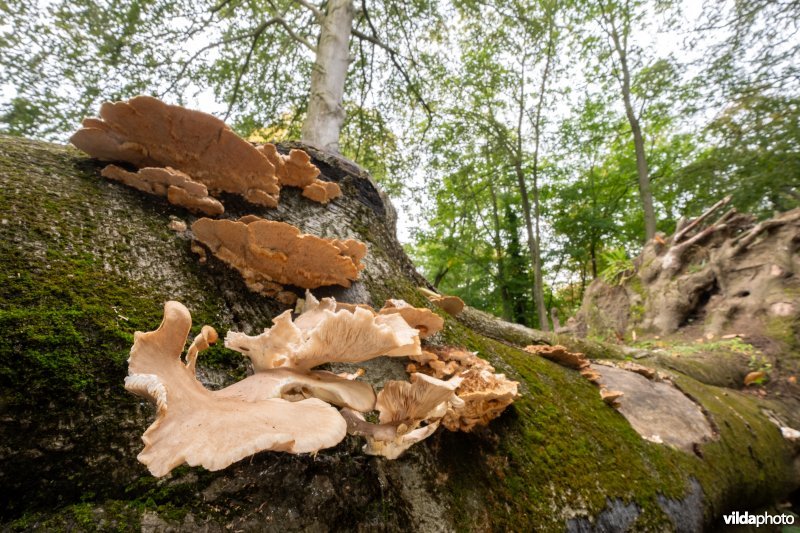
x,y
287,404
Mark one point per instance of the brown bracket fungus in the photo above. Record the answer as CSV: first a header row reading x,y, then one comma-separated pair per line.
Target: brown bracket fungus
x,y
296,170
484,394
560,355
404,407
453,305
272,254
179,188
199,427
147,132
426,321
322,335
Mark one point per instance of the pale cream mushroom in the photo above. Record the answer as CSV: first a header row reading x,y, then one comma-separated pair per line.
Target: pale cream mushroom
x,y
199,427
409,413
270,254
294,385
179,188
147,132
321,335
426,321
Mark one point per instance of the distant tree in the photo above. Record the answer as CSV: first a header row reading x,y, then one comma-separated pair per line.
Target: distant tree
x,y
264,58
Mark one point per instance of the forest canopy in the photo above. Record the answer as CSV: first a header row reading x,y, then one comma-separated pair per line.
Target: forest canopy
x,y
531,145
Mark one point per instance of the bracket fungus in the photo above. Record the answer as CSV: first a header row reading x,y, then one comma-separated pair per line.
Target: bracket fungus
x,y
560,355
426,321
214,429
272,254
296,170
484,394
453,305
179,188
409,413
146,132
323,335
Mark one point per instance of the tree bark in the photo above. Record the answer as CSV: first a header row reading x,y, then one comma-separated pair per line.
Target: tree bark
x,y
85,262
645,194
326,113
533,243
537,131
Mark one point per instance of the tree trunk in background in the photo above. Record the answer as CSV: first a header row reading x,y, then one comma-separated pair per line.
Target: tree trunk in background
x,y
85,262
531,225
645,194
325,110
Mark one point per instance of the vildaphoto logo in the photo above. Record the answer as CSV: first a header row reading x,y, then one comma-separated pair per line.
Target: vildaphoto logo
x,y
741,519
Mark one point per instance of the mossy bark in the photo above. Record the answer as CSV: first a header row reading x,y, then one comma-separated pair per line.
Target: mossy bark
x,y
84,263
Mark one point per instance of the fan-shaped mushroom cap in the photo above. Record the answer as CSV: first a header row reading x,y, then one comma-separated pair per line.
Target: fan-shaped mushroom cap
x,y
560,355
320,335
404,402
426,321
403,408
453,305
179,188
296,170
269,253
197,427
295,385
485,396
147,132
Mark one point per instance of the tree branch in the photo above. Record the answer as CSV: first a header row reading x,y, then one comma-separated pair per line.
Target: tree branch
x,y
393,56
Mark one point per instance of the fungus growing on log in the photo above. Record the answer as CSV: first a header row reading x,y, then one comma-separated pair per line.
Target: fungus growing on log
x,y
484,393
404,407
199,427
294,385
426,321
453,305
322,335
271,254
296,170
146,132
179,188
560,355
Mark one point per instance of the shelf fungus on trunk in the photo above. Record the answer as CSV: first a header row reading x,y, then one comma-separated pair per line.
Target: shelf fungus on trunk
x,y
146,132
484,394
426,321
296,170
179,188
453,305
409,413
271,254
214,429
323,335
560,355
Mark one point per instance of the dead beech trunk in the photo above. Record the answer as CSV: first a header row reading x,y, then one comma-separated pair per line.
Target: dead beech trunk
x,y
325,111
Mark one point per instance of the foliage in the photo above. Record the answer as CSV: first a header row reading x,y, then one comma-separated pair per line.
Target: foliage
x,y
618,266
507,122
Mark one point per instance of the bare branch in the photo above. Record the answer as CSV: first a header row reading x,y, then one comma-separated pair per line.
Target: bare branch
x,y
679,235
314,9
393,56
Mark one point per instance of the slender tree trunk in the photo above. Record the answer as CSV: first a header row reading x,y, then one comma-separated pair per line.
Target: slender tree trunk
x,y
325,111
645,193
505,296
526,205
537,130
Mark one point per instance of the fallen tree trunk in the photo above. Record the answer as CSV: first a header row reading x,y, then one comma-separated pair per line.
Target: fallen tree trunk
x,y
86,262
